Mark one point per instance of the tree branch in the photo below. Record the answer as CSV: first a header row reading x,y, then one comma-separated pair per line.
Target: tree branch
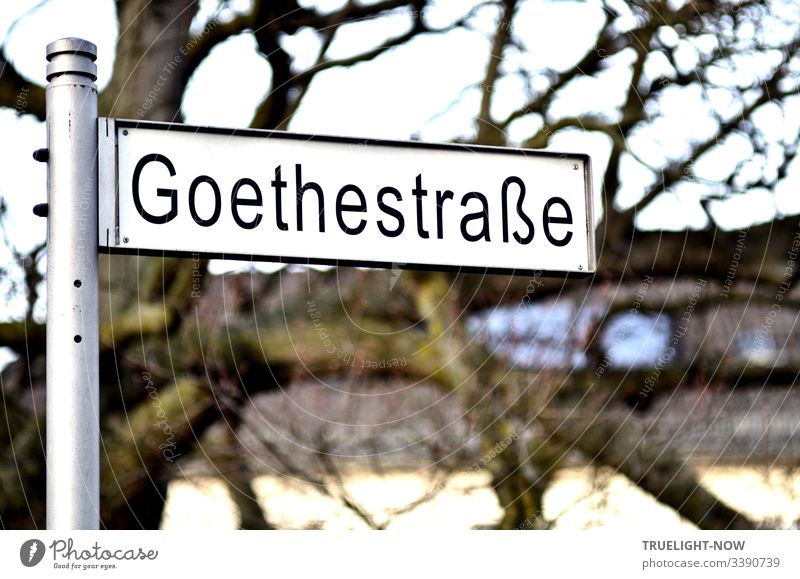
x,y
612,441
265,113
17,93
488,131
215,32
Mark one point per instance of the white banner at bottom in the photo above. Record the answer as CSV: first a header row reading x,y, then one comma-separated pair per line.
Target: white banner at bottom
x,y
124,554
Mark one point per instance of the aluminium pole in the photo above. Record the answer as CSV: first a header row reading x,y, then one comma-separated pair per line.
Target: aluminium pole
x,y
73,422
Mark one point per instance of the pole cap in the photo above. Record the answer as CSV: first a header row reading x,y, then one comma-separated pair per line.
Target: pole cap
x,y
71,56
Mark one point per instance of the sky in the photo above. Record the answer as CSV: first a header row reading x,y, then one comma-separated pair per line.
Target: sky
x,y
382,84
441,106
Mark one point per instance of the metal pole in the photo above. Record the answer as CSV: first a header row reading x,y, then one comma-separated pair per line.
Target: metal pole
x,y
73,422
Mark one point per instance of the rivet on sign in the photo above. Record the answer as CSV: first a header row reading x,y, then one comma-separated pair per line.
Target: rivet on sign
x,y
125,132
124,240
580,267
575,167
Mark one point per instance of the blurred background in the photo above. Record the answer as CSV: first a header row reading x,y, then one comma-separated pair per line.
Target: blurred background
x,y
658,393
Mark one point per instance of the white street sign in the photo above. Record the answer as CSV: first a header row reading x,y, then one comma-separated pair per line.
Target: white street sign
x,y
262,195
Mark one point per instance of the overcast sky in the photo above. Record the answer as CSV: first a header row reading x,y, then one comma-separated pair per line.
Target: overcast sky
x,y
415,91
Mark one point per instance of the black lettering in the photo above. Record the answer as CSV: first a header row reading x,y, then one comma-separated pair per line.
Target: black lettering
x,y
171,193
279,184
566,220
236,202
301,189
419,193
361,207
528,223
192,204
441,197
483,214
390,211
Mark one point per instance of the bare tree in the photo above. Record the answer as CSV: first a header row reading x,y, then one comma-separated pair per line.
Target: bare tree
x,y
186,363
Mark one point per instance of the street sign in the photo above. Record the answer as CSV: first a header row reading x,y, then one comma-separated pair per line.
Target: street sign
x,y
263,195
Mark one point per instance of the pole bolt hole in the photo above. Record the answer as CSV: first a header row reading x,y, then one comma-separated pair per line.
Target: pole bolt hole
x,y
77,339
77,283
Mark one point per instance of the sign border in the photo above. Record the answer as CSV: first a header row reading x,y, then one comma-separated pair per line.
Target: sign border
x,y
108,215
